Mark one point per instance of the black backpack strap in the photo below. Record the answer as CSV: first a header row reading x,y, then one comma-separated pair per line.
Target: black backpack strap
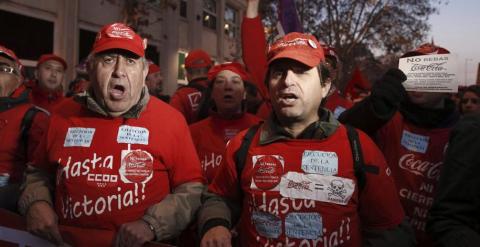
x,y
27,123
359,166
241,154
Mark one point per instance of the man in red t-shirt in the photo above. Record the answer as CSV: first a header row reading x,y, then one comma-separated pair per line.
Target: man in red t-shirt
x,y
412,129
47,89
298,186
21,127
117,177
187,99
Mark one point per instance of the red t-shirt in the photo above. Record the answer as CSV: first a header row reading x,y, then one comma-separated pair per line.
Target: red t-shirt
x,y
46,100
14,154
111,170
187,101
415,156
212,134
304,192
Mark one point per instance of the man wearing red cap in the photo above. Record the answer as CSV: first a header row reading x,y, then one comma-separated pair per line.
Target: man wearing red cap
x,y
47,89
254,49
299,185
119,178
412,130
187,99
21,126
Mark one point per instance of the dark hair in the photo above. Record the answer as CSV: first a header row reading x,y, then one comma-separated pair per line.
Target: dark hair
x,y
474,89
198,71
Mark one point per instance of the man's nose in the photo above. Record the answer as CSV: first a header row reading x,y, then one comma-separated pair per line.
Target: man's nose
x,y
290,78
119,69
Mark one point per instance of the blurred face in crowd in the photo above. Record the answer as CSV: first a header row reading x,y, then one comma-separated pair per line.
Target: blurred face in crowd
x,y
470,103
117,78
10,77
427,99
330,65
296,91
50,75
154,82
228,92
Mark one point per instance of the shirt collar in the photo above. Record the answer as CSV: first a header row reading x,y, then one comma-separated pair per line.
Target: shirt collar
x,y
87,99
321,129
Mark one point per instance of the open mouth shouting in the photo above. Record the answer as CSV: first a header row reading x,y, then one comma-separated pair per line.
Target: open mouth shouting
x,y
287,98
117,91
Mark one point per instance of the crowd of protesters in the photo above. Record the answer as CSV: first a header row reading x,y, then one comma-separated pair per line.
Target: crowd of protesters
x,y
268,151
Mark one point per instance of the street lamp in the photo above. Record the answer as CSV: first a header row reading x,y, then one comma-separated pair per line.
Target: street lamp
x,y
466,70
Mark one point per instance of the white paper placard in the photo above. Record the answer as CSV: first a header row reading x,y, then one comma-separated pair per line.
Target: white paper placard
x,y
430,73
22,238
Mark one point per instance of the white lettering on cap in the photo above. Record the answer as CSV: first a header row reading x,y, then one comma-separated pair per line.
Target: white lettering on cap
x,y
119,30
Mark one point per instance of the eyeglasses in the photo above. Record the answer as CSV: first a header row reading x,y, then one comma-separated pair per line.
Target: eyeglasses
x,y
465,100
8,69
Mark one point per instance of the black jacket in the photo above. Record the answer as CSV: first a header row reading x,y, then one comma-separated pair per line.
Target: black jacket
x,y
454,218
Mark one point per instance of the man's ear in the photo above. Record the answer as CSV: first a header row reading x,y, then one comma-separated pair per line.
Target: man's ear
x,y
325,88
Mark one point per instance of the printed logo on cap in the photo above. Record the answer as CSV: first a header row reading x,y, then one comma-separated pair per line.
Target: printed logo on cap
x,y
137,166
267,171
312,44
119,30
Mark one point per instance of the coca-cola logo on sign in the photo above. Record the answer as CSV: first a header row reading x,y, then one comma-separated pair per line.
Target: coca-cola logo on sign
x,y
422,168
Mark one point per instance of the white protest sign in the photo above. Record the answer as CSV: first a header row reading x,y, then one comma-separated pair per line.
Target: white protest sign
x,y
430,73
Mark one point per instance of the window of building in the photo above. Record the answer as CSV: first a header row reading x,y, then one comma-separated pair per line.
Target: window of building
x,y
210,14
28,37
152,54
183,8
181,77
231,22
85,44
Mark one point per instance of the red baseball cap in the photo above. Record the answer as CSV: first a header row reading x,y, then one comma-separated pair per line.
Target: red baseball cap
x,y
197,59
233,66
426,49
301,47
153,68
9,54
119,36
45,57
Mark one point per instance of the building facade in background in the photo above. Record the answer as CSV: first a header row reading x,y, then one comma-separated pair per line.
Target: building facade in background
x,y
174,27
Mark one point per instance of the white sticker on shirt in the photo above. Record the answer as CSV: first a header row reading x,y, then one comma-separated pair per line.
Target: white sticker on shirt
x,y
79,137
303,225
320,162
136,166
339,110
132,135
317,187
415,142
267,225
